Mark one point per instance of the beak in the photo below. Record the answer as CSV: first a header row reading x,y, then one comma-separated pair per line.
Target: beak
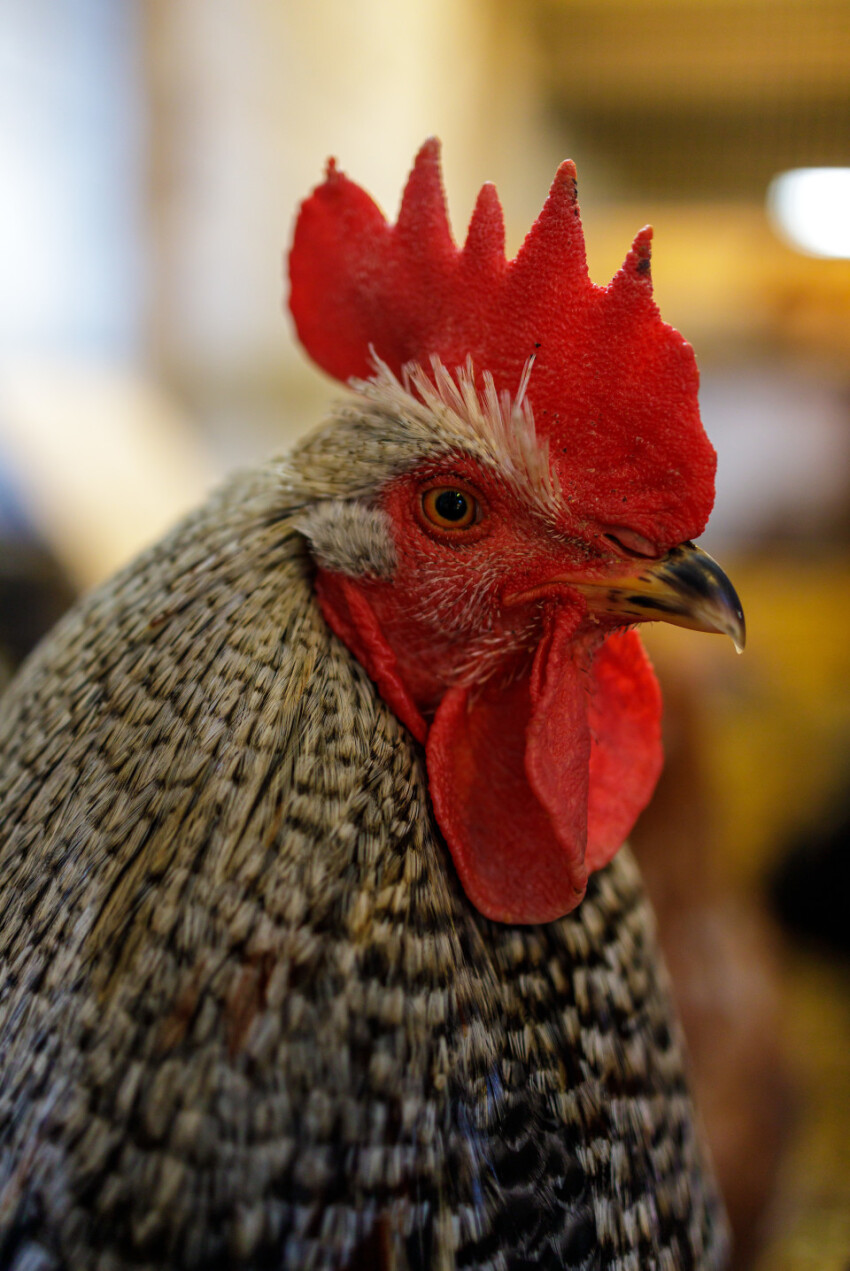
x,y
686,587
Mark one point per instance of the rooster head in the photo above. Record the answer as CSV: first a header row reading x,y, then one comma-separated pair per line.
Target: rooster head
x,y
515,486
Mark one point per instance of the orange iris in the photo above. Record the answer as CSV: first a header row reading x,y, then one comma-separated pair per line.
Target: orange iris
x,y
449,508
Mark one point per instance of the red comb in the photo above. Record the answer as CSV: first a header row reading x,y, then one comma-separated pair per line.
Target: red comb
x,y
613,388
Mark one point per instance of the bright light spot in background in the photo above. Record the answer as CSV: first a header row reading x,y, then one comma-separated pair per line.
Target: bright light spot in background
x,y
71,137
93,457
810,208
783,453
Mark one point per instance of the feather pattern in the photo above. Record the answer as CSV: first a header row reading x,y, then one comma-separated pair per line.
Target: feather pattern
x,y
247,1017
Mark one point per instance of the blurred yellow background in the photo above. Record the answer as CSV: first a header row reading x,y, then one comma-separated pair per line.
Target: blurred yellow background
x,y
152,156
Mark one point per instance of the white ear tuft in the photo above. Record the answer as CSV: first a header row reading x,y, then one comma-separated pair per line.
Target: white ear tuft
x,y
348,537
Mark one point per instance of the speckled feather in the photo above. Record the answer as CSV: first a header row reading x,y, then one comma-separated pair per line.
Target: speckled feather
x,y
248,1019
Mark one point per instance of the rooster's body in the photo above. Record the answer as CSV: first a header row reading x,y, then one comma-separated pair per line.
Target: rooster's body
x,y
249,1017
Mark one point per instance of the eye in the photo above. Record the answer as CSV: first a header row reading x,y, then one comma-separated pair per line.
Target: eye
x,y
631,543
449,508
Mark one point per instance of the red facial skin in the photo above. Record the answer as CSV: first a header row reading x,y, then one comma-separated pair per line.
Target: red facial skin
x,y
542,736
447,612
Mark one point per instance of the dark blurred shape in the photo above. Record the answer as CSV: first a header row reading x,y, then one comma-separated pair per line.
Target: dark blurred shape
x,y
810,886
34,593
721,955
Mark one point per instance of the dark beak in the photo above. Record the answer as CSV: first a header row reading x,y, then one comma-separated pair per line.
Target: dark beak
x,y
686,587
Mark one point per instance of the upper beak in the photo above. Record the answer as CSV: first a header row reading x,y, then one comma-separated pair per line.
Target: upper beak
x,y
686,587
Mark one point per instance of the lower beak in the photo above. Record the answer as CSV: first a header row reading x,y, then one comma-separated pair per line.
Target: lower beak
x,y
686,587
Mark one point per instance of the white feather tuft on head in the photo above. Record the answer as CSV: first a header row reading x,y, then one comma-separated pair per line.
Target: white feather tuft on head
x,y
393,426
494,426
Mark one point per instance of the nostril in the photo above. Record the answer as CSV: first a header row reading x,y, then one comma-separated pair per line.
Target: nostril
x,y
630,543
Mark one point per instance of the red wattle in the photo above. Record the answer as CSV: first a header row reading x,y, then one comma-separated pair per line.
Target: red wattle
x,y
626,756
515,862
351,617
535,783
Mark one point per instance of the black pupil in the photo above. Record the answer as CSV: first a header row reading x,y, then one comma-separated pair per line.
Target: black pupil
x,y
451,505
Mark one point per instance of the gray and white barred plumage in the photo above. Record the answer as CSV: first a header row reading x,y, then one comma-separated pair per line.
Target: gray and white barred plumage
x,y
248,1018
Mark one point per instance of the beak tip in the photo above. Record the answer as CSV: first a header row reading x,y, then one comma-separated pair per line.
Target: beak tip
x,y
733,625
737,631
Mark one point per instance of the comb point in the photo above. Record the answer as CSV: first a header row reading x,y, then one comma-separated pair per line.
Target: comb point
x,y
563,193
485,238
430,150
423,218
566,175
554,246
637,265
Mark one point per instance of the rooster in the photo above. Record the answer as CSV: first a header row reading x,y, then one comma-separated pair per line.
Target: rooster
x,y
318,950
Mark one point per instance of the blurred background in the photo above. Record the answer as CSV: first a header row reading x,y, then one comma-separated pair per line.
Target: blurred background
x,y
152,155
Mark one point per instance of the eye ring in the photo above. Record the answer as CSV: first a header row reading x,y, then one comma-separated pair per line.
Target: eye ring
x,y
449,507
